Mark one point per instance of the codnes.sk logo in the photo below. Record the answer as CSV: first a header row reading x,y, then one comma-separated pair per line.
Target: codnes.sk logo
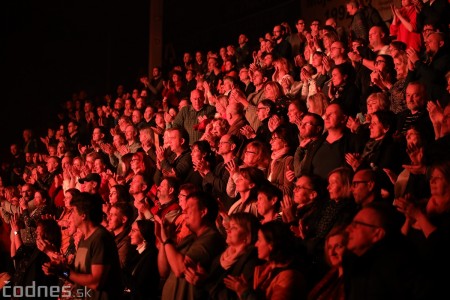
x,y
35,291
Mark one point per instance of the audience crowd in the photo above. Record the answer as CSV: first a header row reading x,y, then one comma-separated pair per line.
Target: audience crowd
x,y
313,166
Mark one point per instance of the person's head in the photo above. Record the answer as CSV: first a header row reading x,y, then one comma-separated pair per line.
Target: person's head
x,y
428,28
136,116
48,230
377,101
178,139
296,110
352,7
249,178
282,138
201,210
265,109
396,47
167,189
439,202
273,90
373,223
87,209
339,75
220,126
381,123
256,154
90,159
184,191
311,126
317,103
130,133
41,198
27,191
69,195
233,111
201,150
120,216
415,96
228,144
53,163
337,48
300,25
335,243
335,117
99,166
434,42
384,64
275,242
339,183
243,229
306,190
364,186
142,231
118,193
146,136
138,185
90,183
269,199
376,36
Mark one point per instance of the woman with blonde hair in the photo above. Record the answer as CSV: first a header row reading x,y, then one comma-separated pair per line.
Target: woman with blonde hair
x,y
317,103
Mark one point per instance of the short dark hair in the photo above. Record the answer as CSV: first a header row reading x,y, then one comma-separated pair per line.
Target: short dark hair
x,y
89,205
205,200
125,209
281,238
272,191
51,231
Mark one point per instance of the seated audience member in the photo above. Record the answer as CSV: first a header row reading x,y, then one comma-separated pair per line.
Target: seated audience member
x,y
30,218
269,203
432,222
283,145
331,286
279,277
238,260
30,258
248,181
379,261
141,273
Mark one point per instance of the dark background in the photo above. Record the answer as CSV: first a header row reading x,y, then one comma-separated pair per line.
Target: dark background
x,y
51,49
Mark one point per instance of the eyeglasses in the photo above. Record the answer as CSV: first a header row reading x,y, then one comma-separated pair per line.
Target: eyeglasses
x,y
301,187
360,223
307,123
379,62
355,183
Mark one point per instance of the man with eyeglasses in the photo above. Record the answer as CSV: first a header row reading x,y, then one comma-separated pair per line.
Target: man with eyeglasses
x,y
282,48
328,152
298,39
215,179
365,188
379,263
311,128
27,193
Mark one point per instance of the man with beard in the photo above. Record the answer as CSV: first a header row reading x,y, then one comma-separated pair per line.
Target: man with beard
x,y
432,71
